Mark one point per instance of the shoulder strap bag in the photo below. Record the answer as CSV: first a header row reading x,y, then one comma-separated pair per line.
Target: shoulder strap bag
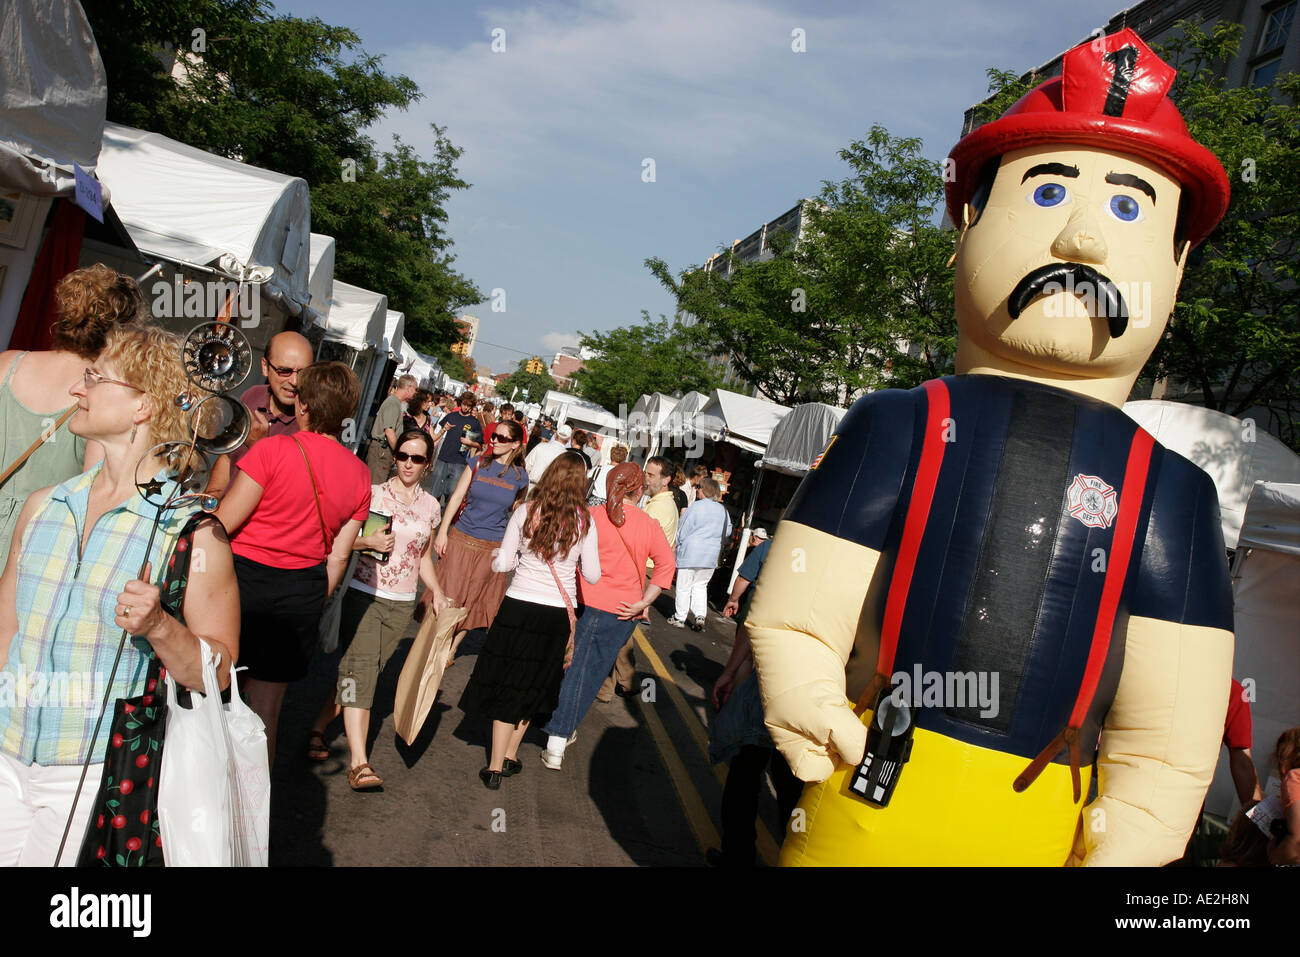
x,y
40,440
324,535
123,829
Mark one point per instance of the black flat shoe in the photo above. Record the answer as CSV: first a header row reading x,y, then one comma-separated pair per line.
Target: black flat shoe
x,y
491,779
510,768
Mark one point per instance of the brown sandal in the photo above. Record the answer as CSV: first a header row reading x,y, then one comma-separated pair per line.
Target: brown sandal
x,y
317,749
364,778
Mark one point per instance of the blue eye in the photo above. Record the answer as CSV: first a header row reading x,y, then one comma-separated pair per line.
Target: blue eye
x,y
1125,208
1050,194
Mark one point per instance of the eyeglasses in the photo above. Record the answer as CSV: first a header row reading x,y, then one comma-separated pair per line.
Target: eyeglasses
x,y
92,378
283,372
417,459
503,438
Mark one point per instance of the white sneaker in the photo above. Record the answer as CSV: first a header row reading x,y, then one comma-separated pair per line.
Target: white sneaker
x,y
676,622
552,760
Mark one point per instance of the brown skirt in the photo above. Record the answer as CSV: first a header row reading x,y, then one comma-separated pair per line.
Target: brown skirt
x,y
466,576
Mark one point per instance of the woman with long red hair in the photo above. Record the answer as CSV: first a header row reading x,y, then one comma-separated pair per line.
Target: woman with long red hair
x,y
519,671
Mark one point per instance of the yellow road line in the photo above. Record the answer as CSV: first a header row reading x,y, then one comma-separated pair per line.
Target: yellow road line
x,y
706,835
767,846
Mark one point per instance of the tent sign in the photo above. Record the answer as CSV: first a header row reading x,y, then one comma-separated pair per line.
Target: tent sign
x,y
89,195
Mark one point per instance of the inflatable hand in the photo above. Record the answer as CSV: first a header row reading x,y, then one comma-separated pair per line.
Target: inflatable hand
x,y
802,626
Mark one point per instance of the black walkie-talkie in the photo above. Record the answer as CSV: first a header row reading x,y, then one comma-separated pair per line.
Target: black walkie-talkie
x,y
889,745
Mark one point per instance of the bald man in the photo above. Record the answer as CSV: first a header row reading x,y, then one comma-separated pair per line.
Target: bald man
x,y
272,406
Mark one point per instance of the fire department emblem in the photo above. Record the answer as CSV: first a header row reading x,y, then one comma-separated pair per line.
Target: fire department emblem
x,y
1091,501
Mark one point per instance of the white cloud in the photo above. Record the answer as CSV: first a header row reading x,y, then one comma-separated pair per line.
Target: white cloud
x,y
554,341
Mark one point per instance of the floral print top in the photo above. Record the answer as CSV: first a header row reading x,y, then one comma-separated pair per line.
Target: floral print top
x,y
413,526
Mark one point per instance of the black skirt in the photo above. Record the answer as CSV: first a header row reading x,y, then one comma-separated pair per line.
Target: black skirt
x,y
519,670
279,611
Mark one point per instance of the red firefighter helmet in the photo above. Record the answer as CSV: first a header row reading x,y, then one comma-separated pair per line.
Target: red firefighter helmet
x,y
1112,94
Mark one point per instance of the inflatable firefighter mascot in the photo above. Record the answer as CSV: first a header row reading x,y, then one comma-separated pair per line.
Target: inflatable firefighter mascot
x,y
996,585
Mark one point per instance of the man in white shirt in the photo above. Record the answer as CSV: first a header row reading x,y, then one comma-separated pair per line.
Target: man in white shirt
x,y
540,458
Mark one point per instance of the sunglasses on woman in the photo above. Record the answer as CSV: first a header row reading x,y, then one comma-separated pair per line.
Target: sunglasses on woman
x,y
417,459
502,438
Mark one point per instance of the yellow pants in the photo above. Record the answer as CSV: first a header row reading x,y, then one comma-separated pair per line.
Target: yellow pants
x,y
953,806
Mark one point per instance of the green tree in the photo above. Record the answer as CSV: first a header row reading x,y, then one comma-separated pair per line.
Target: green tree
x,y
536,384
1235,336
655,356
295,96
863,300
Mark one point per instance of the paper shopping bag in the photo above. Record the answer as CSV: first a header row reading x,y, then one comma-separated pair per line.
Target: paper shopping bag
x,y
417,686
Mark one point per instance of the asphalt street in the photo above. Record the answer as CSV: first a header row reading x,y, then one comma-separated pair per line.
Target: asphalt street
x,y
636,787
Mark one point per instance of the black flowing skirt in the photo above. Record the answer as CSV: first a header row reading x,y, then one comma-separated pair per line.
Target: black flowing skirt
x,y
519,670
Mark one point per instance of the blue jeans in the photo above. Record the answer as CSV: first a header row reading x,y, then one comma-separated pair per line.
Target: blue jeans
x,y
445,477
597,639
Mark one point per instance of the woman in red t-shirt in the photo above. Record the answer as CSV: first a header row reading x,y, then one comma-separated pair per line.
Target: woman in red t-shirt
x,y
292,533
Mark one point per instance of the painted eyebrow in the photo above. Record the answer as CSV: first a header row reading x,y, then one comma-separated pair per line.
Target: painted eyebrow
x,y
1050,169
1136,182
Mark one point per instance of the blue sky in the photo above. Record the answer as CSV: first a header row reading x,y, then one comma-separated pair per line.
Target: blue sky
x,y
556,128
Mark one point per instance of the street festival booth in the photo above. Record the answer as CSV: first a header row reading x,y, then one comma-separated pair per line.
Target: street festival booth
x,y
738,429
1266,608
1258,481
383,372
218,230
644,424
415,364
52,105
578,413
320,275
796,443
354,334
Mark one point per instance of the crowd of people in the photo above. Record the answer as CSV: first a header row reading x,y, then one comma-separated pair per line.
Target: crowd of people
x,y
555,555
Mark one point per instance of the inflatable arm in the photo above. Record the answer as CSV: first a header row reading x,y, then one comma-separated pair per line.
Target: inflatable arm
x,y
1159,744
802,626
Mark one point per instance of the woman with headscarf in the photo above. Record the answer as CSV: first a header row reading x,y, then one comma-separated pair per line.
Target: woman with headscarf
x,y
627,537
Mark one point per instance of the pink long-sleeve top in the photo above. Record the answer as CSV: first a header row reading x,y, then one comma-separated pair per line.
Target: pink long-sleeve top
x,y
623,554
533,580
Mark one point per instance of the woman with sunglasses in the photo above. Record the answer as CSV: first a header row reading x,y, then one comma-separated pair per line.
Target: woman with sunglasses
x,y
380,601
489,490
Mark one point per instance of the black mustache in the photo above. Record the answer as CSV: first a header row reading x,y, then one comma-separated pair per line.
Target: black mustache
x,y
1076,278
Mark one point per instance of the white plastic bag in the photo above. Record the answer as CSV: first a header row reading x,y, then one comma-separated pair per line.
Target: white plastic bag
x,y
215,784
250,781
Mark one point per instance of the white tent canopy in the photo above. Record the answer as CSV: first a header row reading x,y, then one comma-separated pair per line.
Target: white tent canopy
x,y
568,408
682,414
651,412
1235,453
190,207
394,332
320,281
800,437
53,96
356,317
422,367
739,419
1266,608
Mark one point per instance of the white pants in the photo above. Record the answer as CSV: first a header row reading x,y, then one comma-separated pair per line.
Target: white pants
x,y
34,805
693,593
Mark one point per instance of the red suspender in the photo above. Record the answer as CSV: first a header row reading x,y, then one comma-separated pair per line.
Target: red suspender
x,y
1130,507
918,513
